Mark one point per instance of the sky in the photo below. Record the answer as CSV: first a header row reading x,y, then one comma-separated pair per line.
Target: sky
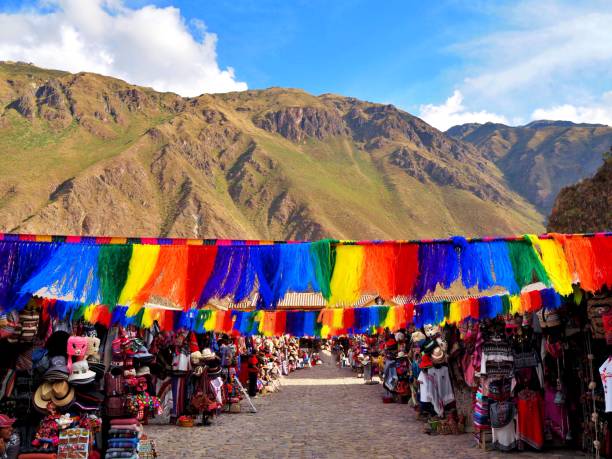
x,y
449,62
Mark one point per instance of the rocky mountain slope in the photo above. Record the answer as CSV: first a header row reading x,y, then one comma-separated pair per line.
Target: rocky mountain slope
x,y
542,157
88,154
585,206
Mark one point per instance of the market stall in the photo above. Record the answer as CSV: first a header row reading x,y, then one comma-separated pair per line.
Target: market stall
x,y
136,326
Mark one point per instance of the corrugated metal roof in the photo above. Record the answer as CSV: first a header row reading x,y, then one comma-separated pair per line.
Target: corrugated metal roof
x,y
312,300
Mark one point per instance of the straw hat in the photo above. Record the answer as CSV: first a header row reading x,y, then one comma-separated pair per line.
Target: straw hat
x,y
438,356
207,354
43,395
59,393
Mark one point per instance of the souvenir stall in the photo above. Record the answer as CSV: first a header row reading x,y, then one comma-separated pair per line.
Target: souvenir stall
x,y
531,376
164,349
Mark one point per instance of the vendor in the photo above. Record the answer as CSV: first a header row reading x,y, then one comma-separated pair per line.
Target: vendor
x,y
9,439
253,366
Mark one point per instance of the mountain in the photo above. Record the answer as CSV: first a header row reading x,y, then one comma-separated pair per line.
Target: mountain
x,y
585,206
88,154
542,157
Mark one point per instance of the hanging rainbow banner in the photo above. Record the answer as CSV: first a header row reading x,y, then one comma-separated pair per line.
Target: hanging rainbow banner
x,y
324,323
187,274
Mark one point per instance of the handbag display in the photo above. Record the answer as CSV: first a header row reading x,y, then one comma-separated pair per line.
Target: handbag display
x,y
113,384
115,406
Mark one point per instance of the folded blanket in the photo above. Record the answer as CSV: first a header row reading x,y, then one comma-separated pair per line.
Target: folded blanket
x,y
122,433
124,421
122,444
121,455
131,441
135,427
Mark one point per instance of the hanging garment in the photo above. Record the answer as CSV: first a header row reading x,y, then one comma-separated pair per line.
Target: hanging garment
x,y
390,375
425,381
503,428
555,415
605,372
530,419
441,390
216,385
504,438
480,415
179,384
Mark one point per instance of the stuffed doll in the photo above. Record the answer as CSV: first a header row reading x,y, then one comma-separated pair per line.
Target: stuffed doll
x,y
77,348
93,349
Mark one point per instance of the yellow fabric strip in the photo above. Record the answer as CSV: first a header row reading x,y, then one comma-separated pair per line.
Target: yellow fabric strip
x,y
515,304
455,313
89,311
338,316
209,323
555,264
141,266
346,278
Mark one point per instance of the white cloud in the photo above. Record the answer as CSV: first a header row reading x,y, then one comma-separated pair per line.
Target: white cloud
x,y
148,46
453,112
542,53
599,112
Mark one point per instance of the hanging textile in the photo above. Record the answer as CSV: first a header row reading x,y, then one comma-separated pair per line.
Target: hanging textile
x,y
555,264
142,264
346,278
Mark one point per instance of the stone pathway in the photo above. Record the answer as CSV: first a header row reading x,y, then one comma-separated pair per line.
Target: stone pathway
x,y
322,412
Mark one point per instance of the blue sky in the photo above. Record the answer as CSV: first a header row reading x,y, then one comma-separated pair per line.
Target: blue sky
x,y
447,61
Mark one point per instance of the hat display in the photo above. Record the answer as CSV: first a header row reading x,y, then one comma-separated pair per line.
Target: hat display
x,y
60,389
417,337
59,393
89,399
58,370
143,371
65,400
42,396
98,368
81,374
438,356
141,352
207,354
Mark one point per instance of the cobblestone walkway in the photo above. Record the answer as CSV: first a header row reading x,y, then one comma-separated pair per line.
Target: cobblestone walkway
x,y
322,412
